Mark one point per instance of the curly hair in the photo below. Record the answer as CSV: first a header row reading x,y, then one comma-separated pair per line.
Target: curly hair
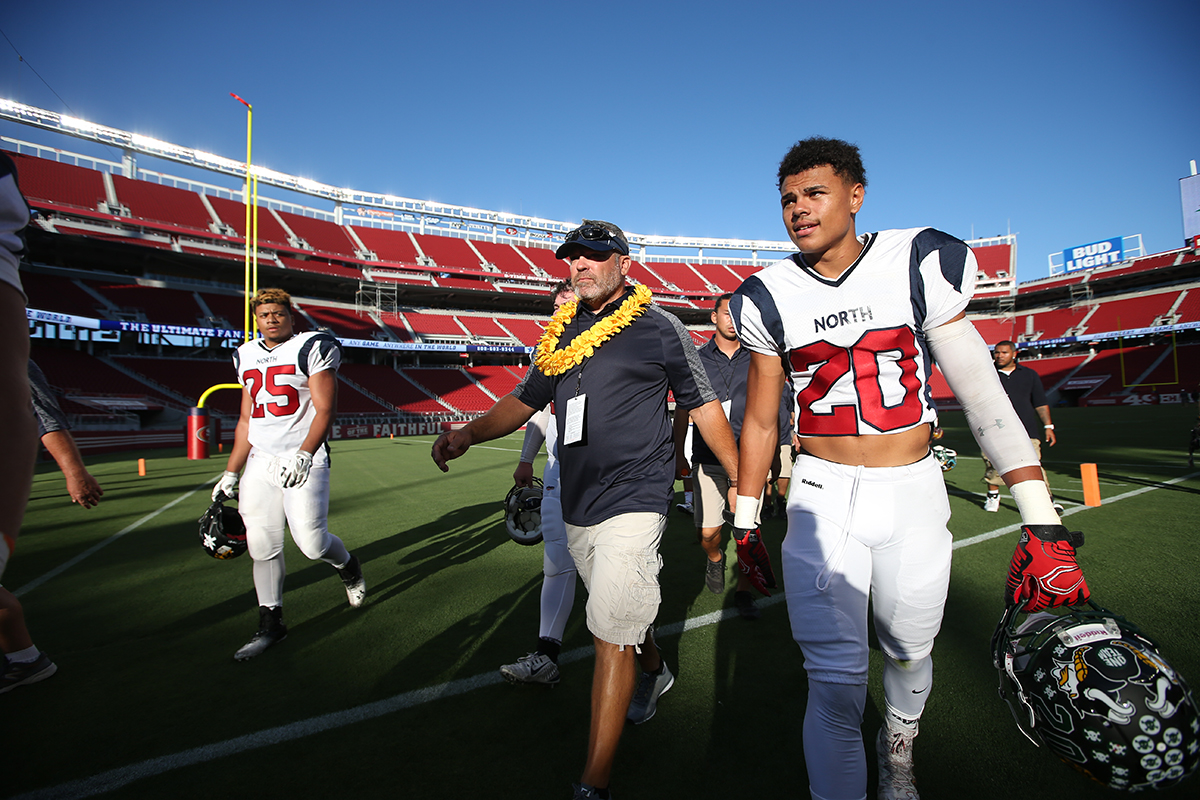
x,y
265,296
817,151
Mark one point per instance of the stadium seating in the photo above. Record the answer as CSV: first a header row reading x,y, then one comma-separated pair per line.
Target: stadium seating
x,y
1189,306
75,372
190,377
1054,323
498,380
719,276
453,386
505,258
344,322
997,329
640,273
484,328
323,267
682,276
388,245
1129,313
995,261
448,252
471,284
544,259
151,201
228,307
67,185
164,306
60,294
435,326
394,388
321,235
1178,371
527,331
233,214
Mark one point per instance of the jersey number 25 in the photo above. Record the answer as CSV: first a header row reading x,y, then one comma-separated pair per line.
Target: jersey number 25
x,y
289,402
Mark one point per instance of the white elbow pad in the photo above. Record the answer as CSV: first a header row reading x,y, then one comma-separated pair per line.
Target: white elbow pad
x,y
963,356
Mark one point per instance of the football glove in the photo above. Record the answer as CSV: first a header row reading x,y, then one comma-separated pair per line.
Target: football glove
x,y
226,488
1043,572
753,559
294,471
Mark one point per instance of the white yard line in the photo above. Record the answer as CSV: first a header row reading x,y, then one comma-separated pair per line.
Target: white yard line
x,y
36,582
122,776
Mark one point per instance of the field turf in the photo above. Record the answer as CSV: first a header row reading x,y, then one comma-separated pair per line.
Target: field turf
x,y
402,697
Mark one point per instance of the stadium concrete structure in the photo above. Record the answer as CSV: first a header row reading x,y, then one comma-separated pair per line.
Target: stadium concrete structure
x,y
135,294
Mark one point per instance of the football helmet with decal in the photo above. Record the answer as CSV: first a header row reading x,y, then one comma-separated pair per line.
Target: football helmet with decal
x,y
1092,688
945,456
523,513
222,532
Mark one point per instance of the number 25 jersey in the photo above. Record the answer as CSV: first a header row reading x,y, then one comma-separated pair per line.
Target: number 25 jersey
x,y
855,346
277,380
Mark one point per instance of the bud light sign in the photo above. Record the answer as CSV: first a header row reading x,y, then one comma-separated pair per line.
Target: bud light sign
x,y
1096,254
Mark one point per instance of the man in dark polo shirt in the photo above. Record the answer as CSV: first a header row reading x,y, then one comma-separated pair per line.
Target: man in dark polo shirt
x,y
726,364
607,363
1024,389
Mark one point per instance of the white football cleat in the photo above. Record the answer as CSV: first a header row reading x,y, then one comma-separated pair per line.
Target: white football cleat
x,y
352,579
271,630
893,749
992,502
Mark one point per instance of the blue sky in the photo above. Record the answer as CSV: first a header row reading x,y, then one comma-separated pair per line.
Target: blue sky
x,y
1064,122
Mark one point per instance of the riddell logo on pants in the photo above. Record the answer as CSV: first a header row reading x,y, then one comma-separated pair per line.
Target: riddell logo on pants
x,y
813,484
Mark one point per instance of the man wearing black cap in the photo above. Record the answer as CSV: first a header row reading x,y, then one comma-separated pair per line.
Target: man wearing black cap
x,y
607,362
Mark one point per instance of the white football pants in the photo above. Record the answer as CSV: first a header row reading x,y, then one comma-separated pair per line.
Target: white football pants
x,y
856,533
266,507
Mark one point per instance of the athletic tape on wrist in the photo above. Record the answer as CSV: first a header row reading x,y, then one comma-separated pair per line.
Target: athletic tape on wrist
x,y
745,515
1034,503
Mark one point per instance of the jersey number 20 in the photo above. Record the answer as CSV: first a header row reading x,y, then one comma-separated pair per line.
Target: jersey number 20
x,y
861,360
289,402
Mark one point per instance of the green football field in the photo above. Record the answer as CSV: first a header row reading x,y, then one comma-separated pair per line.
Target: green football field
x,y
402,697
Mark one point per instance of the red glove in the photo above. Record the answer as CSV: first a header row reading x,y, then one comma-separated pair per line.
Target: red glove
x,y
753,559
1043,572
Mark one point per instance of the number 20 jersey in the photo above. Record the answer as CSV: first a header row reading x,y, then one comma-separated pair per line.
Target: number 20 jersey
x,y
277,380
855,346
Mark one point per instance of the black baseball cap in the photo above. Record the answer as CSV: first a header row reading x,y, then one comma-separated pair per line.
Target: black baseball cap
x,y
597,235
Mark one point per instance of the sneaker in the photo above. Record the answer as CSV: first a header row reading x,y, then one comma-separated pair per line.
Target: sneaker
x,y
271,630
893,748
584,792
532,668
714,575
685,508
1058,509
746,605
26,672
992,502
767,511
352,578
645,698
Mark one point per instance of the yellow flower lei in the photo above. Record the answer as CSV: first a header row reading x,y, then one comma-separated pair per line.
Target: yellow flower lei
x,y
555,362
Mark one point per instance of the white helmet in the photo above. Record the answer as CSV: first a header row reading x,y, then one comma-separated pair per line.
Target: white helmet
x,y
523,513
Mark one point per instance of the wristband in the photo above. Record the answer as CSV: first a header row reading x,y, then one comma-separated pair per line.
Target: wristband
x,y
1048,427
229,474
745,514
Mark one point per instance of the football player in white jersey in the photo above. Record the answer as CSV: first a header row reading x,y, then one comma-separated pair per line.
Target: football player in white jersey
x,y
289,398
558,568
858,321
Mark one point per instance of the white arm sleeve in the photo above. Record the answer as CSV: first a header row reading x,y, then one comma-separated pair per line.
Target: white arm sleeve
x,y
535,434
963,356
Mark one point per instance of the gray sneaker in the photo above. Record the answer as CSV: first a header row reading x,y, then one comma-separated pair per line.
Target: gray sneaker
x,y
532,668
645,698
271,631
581,791
714,575
26,672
